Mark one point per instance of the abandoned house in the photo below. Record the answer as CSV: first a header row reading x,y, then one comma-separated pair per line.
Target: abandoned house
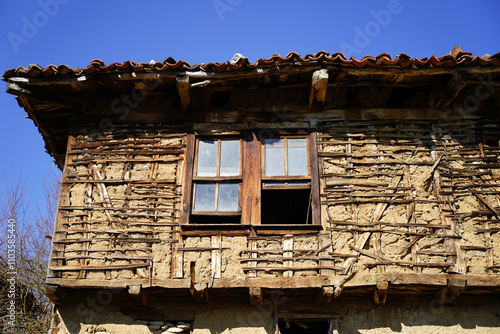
x,y
313,194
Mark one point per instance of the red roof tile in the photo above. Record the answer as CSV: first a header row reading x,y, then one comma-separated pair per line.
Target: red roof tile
x,y
457,58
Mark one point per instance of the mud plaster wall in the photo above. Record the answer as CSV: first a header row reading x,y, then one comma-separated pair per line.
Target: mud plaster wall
x,y
117,314
417,192
361,161
420,174
120,205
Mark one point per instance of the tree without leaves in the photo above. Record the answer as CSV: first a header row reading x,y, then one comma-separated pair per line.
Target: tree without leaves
x,y
33,226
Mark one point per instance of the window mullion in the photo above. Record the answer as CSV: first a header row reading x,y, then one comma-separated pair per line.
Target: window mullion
x,y
216,202
217,172
285,155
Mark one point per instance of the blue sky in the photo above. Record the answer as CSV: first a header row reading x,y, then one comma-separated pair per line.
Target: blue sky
x,y
74,32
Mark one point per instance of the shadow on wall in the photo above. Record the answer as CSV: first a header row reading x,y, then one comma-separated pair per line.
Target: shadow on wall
x,y
107,313
409,315
470,314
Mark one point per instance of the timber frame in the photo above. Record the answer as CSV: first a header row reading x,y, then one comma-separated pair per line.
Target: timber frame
x,y
404,172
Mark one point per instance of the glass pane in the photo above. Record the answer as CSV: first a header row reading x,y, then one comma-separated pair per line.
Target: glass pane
x,y
274,183
275,157
204,199
298,183
230,158
297,156
207,158
228,197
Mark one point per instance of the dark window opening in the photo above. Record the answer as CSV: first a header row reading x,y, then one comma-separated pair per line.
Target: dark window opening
x,y
215,219
304,327
290,206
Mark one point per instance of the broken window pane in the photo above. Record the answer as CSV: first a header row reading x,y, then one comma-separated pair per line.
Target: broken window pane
x,y
275,157
297,156
230,158
204,199
207,158
228,197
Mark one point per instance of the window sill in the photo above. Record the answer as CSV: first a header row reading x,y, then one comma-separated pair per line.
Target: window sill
x,y
244,229
215,229
287,228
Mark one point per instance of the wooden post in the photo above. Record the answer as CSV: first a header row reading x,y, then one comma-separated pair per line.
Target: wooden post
x,y
324,242
251,181
63,201
216,256
315,201
288,245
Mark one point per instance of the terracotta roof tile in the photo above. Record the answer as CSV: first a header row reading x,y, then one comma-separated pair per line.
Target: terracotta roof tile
x,y
456,58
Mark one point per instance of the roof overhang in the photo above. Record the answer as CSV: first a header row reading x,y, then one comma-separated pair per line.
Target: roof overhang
x,y
310,89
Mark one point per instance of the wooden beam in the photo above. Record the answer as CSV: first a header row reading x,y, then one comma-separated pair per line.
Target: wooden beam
x,y
183,88
444,92
51,144
57,99
453,87
200,295
56,294
377,215
325,296
380,294
251,181
199,291
138,295
315,201
452,291
474,282
188,178
319,86
256,295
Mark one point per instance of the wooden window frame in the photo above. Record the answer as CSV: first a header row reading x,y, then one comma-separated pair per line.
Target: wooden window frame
x,y
286,178
217,179
251,178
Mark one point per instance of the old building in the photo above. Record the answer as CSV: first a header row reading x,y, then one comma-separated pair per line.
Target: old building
x,y
311,194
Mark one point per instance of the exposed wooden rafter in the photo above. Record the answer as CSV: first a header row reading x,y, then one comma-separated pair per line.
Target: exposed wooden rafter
x,y
183,87
138,295
256,295
380,294
199,291
319,86
445,92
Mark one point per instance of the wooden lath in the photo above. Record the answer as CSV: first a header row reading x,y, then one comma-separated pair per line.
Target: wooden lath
x,y
125,227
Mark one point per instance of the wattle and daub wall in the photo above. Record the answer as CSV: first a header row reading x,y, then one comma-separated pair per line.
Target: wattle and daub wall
x,y
396,196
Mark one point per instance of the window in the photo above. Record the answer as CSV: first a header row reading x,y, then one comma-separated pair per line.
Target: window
x,y
251,181
217,180
286,181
